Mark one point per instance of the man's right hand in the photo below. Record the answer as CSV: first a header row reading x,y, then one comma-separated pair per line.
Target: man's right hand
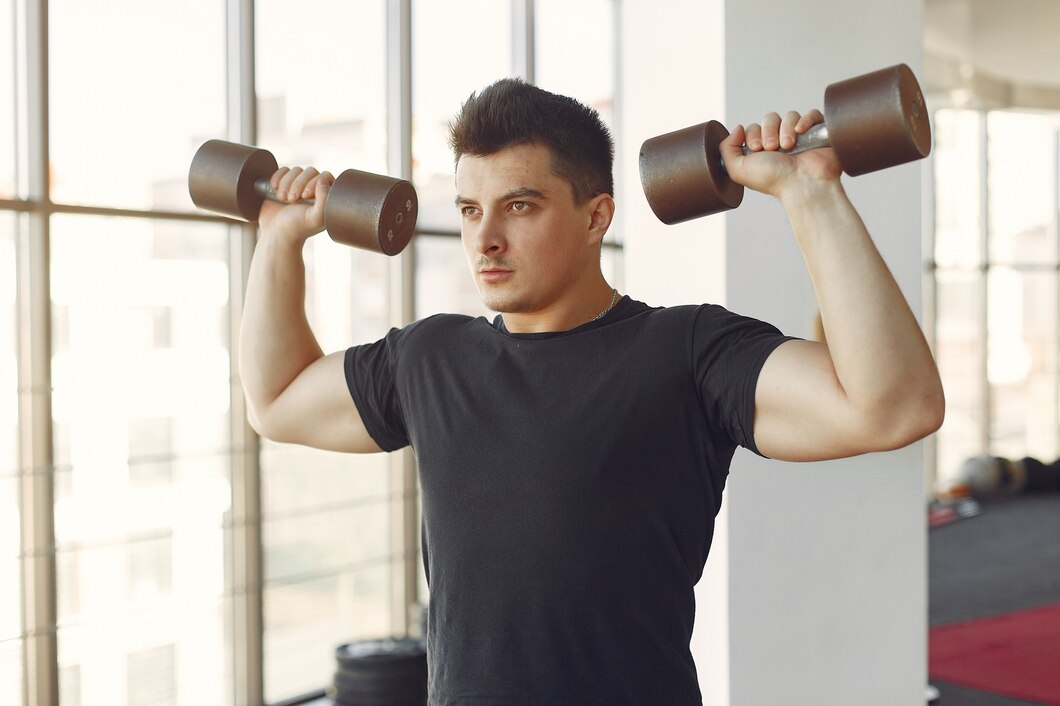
x,y
293,186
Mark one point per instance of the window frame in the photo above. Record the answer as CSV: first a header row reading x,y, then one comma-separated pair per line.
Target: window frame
x,y
33,210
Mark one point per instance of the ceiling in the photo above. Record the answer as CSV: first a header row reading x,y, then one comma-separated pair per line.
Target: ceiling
x,y
994,51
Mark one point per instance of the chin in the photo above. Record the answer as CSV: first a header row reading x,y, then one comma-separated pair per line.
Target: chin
x,y
504,304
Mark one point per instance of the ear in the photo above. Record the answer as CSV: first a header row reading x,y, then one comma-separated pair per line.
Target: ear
x,y
601,210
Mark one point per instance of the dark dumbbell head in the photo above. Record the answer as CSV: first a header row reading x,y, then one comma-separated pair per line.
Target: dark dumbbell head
x,y
683,176
873,121
222,176
877,120
371,211
365,210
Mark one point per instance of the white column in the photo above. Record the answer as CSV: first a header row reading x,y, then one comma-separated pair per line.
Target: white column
x,y
815,589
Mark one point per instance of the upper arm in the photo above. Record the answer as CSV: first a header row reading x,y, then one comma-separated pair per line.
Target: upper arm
x,y
802,412
316,410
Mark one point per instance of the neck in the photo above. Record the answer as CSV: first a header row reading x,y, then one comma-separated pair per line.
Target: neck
x,y
564,315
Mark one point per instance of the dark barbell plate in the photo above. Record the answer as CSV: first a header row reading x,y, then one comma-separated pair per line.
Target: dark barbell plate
x,y
877,120
371,211
222,174
381,650
682,174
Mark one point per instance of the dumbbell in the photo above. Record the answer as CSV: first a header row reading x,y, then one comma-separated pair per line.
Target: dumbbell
x,y
365,210
873,121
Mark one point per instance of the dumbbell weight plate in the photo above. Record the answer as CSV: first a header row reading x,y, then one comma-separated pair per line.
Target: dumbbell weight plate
x,y
683,175
877,120
222,175
371,211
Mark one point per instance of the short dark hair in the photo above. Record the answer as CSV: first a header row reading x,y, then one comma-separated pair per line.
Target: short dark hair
x,y
511,112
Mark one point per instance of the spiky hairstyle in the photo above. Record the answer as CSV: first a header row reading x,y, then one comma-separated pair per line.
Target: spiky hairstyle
x,y
512,112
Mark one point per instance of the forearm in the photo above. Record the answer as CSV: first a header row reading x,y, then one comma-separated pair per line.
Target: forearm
x,y
881,359
276,342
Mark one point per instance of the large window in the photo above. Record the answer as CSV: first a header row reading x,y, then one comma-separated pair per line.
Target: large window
x,y
141,370
995,270
172,558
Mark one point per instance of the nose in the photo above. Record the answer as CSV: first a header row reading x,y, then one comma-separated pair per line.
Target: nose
x,y
486,235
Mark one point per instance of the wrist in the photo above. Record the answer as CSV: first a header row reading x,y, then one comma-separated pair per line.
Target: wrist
x,y
811,193
281,240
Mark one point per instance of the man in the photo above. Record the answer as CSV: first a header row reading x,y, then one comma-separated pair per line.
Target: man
x,y
573,453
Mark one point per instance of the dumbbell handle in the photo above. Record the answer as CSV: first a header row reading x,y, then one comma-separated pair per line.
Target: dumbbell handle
x,y
264,189
814,138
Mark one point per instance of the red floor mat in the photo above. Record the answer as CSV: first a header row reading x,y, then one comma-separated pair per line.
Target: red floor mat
x,y
1017,654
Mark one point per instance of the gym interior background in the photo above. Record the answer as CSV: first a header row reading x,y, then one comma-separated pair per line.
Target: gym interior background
x,y
154,551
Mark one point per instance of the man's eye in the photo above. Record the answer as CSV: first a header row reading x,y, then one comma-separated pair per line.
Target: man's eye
x,y
468,211
520,206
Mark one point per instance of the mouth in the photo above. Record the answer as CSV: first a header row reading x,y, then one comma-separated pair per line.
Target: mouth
x,y
494,274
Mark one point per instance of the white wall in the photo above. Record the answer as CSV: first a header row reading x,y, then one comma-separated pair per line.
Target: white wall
x,y
815,590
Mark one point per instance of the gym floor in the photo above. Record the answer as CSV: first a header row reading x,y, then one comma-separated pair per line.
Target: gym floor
x,y
1003,560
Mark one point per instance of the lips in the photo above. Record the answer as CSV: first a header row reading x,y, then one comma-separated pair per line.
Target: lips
x,y
494,275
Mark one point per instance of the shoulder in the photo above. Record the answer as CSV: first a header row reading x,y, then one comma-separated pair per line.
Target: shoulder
x,y
701,319
715,321
437,338
438,326
637,313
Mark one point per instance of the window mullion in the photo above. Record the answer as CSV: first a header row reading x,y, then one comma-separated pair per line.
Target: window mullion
x,y
404,517
36,478
984,244
245,575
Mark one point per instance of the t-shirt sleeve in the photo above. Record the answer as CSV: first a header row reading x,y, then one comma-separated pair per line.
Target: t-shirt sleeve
x,y
728,352
371,379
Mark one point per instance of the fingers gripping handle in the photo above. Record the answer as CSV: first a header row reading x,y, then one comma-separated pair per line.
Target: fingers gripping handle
x,y
684,177
814,138
264,189
875,121
364,210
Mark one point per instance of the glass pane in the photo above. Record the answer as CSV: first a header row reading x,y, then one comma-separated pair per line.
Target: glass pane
x,y
312,616
8,348
10,593
10,515
957,156
128,110
328,107
1023,187
334,119
575,52
959,342
7,102
460,47
141,372
1022,363
327,526
170,653
346,300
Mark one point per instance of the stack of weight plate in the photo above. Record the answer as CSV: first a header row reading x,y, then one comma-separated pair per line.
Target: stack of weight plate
x,y
390,672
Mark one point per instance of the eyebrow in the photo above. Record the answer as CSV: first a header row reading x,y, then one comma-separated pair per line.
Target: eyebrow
x,y
520,193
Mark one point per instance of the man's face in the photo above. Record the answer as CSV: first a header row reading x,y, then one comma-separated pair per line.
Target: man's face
x,y
528,244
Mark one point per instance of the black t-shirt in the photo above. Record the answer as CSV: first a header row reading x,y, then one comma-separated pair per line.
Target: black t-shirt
x,y
570,483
